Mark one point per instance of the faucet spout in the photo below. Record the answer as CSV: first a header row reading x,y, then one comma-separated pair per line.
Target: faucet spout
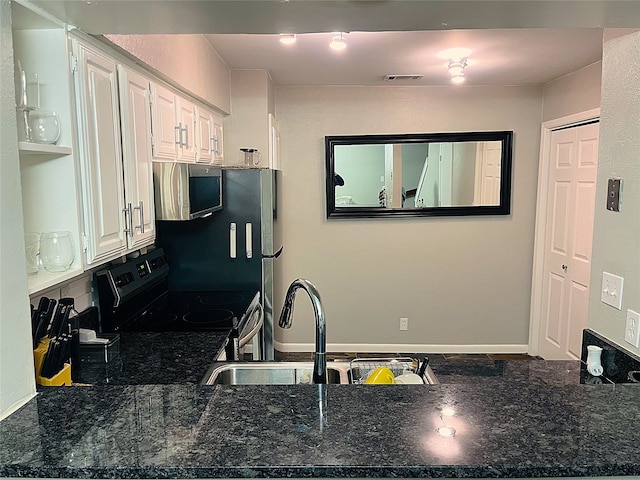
x,y
286,320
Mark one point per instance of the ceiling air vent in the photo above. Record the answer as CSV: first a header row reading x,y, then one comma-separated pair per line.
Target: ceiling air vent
x,y
393,78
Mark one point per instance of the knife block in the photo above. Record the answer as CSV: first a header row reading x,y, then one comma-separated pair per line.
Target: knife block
x,y
63,377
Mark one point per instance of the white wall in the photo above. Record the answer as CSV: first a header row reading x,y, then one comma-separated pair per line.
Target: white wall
x,y
17,383
616,241
248,125
464,283
188,60
576,92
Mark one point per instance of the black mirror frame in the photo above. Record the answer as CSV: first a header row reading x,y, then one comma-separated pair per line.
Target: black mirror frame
x,y
504,208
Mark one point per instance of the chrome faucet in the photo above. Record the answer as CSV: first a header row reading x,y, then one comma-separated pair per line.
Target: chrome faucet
x,y
320,360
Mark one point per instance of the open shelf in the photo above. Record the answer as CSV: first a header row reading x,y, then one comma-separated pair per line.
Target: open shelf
x,y
43,148
43,280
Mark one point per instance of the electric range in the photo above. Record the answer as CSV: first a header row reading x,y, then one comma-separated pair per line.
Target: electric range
x,y
134,297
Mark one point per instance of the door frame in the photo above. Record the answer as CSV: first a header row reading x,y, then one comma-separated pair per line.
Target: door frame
x,y
537,280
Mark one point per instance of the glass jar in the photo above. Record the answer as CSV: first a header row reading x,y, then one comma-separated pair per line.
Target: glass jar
x,y
32,251
56,251
44,126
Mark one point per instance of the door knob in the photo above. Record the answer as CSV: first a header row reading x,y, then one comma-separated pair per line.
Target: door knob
x,y
564,267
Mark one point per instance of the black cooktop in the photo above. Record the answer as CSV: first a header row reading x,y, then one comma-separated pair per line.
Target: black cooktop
x,y
192,311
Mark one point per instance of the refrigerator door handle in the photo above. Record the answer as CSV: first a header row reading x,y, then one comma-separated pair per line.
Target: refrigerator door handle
x,y
275,255
232,240
249,240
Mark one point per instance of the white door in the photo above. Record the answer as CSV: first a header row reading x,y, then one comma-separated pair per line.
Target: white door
x,y
101,156
136,150
489,164
445,182
569,235
204,136
187,136
164,127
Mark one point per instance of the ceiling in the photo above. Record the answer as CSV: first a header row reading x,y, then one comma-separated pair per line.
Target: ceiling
x,y
513,42
499,57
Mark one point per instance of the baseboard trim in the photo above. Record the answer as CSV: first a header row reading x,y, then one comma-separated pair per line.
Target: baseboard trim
x,y
403,348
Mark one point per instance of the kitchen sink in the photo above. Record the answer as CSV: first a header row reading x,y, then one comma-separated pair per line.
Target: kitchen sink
x,y
284,373
272,373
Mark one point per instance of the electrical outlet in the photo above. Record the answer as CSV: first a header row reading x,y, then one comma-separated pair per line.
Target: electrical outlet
x,y
404,323
611,292
632,328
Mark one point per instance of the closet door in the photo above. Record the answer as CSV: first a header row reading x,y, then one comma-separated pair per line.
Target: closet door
x,y
570,212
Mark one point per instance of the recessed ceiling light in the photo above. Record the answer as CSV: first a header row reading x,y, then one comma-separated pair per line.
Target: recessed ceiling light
x,y
287,38
338,42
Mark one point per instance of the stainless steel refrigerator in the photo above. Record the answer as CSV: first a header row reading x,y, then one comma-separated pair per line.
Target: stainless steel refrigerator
x,y
236,248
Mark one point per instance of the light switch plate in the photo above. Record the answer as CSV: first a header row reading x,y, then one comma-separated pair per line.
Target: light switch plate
x,y
611,292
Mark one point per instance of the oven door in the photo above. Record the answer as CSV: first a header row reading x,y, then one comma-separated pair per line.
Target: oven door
x,y
249,329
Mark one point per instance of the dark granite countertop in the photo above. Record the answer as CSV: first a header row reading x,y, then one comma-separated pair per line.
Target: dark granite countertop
x,y
157,358
486,371
512,427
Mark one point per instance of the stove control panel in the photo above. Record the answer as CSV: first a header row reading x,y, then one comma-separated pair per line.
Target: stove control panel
x,y
126,280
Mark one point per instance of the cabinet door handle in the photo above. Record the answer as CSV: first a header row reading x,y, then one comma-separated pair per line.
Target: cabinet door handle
x,y
128,220
178,132
140,208
214,144
186,136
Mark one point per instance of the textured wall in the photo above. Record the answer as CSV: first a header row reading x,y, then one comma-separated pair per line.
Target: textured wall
x,y
188,60
616,240
573,93
464,283
17,383
248,124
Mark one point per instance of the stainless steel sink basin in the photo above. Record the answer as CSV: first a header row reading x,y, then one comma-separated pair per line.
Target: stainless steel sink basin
x,y
271,373
283,373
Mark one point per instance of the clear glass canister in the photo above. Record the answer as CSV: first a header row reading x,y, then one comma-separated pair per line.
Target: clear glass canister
x,y
56,251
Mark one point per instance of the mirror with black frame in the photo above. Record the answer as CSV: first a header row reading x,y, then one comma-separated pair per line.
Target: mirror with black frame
x,y
425,174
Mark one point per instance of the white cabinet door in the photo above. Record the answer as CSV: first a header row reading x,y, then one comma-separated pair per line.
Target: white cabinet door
x,y
165,129
218,143
136,152
204,139
100,153
186,124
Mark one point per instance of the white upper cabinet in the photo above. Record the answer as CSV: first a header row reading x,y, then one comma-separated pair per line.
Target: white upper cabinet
x,y
205,136
209,137
135,113
164,128
183,131
173,126
187,128
100,154
218,137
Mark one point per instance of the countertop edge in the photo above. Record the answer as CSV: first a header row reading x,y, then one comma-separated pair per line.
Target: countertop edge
x,y
328,471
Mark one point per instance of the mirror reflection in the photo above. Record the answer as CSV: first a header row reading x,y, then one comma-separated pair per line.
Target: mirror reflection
x,y
422,174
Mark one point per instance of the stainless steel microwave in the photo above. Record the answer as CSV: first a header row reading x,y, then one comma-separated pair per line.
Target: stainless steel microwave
x,y
184,191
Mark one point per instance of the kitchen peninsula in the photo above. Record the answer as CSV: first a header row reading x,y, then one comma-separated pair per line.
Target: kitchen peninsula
x,y
519,419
